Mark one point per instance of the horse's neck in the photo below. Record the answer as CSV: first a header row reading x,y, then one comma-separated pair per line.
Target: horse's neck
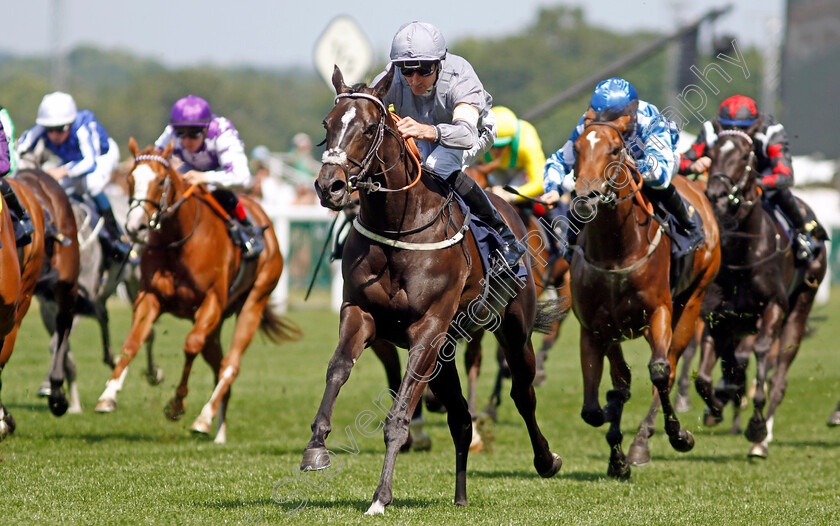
x,y
752,229
617,234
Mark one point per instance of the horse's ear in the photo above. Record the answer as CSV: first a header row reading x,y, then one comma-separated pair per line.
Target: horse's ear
x,y
588,117
132,146
338,81
168,150
622,123
753,128
384,84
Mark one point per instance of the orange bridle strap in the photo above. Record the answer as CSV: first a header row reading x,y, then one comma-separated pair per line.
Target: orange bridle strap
x,y
411,148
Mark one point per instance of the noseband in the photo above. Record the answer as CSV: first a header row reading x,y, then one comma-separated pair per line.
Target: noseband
x,y
361,179
738,188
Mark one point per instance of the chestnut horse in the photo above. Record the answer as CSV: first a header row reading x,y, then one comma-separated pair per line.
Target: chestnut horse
x,y
410,279
620,284
58,286
761,290
19,271
176,223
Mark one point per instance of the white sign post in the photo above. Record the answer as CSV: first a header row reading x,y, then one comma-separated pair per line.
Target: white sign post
x,y
343,44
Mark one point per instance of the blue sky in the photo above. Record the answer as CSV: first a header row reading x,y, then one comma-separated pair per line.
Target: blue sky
x,y
281,33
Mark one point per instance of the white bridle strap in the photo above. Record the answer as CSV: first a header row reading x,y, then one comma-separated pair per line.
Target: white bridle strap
x,y
739,133
151,157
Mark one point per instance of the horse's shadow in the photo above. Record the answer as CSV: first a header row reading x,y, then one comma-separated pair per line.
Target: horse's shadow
x,y
527,474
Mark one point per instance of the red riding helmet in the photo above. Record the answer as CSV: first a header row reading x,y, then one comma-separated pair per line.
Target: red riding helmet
x,y
737,110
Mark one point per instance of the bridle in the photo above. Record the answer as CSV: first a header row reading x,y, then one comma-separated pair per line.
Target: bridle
x,y
163,209
737,189
361,179
606,194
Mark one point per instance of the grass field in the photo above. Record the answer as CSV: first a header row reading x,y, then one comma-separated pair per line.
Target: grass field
x,y
136,467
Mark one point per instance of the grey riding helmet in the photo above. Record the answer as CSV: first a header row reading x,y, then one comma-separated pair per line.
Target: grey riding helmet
x,y
418,41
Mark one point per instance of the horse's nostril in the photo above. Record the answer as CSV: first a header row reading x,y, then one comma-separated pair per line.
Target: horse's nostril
x,y
337,187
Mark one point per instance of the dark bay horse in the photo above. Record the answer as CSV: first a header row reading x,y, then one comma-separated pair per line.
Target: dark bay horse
x,y
620,284
57,288
761,290
19,272
397,289
191,269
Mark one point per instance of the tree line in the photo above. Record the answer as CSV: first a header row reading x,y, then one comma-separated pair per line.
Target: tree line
x,y
132,96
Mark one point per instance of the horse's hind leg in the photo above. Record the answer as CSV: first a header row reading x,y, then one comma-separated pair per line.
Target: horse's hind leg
x,y
212,354
682,401
834,419
154,374
514,337
472,361
447,387
496,396
101,314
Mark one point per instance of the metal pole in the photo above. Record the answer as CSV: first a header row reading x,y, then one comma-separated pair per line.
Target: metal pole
x,y
57,67
586,84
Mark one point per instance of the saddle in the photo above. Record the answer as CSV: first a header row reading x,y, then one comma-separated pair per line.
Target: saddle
x,y
682,259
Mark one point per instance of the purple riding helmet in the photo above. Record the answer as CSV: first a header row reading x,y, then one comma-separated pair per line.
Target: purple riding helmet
x,y
190,111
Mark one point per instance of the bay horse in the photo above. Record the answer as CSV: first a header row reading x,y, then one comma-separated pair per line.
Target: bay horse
x,y
761,290
58,286
175,223
415,299
19,272
620,284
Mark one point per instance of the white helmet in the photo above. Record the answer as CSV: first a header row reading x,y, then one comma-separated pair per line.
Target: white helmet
x,y
56,109
418,41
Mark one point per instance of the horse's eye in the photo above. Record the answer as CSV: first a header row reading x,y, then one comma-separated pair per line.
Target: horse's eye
x,y
370,130
616,150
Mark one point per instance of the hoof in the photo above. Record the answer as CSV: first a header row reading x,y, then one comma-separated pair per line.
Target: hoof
x,y
75,409
489,413
756,430
4,430
315,459
619,470
58,403
200,427
461,503
683,442
154,377
834,420
539,378
174,410
556,464
377,508
682,404
758,451
9,420
44,390
639,453
710,420
106,405
476,444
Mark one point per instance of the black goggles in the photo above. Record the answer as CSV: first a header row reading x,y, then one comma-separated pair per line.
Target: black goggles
x,y
423,68
189,133
58,129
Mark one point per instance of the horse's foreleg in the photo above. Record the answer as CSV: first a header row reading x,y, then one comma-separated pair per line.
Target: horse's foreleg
x,y
682,401
703,382
496,396
212,354
356,331
592,367
770,327
154,374
790,340
667,344
472,361
208,318
146,311
101,312
425,340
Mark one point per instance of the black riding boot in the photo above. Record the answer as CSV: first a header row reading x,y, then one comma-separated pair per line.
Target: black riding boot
x,y
673,203
119,244
244,234
23,223
480,205
803,241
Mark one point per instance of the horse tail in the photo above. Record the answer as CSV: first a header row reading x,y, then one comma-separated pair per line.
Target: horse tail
x,y
549,312
278,328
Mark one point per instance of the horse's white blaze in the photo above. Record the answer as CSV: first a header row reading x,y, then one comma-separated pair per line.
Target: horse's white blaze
x,y
592,137
143,177
727,146
346,119
334,156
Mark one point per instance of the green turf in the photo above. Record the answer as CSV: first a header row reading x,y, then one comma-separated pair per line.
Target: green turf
x,y
136,467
